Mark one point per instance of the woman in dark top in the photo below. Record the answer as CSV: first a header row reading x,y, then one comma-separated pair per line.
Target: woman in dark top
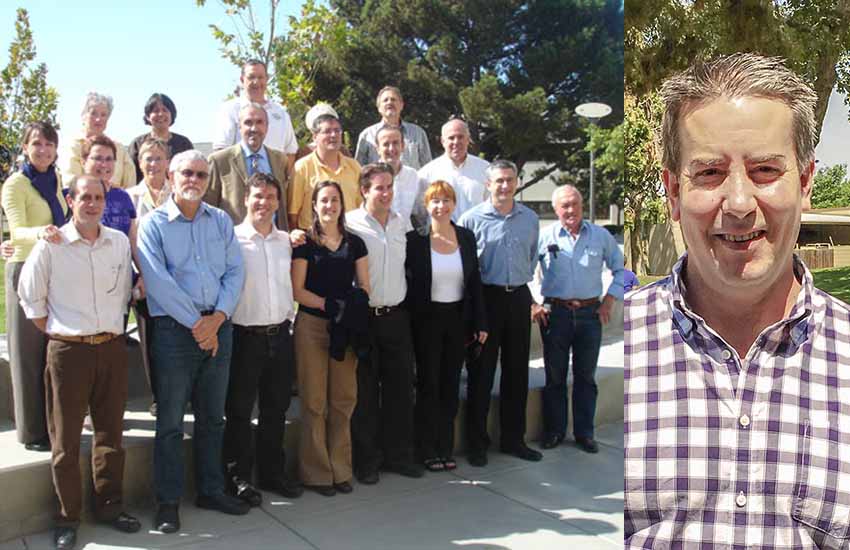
x,y
323,272
446,305
160,114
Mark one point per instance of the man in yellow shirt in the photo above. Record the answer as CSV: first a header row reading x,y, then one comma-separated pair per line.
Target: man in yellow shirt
x,y
325,163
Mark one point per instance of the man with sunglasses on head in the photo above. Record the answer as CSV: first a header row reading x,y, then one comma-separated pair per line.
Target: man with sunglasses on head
x,y
194,271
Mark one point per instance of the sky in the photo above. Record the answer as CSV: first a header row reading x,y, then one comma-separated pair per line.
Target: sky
x,y
129,49
835,134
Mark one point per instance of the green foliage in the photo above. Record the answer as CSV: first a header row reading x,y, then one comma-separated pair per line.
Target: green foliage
x,y
609,150
831,187
24,94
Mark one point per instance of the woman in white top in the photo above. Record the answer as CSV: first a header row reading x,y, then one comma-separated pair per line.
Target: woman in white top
x,y
154,188
444,297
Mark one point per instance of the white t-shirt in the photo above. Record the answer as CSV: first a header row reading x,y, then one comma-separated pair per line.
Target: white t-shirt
x,y
280,136
446,277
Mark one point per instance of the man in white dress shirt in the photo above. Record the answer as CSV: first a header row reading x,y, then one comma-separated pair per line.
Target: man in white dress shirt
x,y
77,291
263,361
382,424
466,173
406,187
280,136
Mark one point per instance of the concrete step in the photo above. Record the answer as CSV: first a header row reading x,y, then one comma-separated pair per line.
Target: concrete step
x,y
29,502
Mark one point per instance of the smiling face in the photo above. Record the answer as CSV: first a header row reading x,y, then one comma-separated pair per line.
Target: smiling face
x,y
190,180
502,185
739,194
441,207
254,81
95,119
379,196
567,205
253,125
40,151
390,106
327,206
154,164
88,202
100,162
455,140
160,117
328,136
262,203
390,146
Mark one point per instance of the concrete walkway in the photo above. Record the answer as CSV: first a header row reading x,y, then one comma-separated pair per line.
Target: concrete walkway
x,y
569,500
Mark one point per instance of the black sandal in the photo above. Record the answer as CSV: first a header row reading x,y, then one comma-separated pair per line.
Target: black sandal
x,y
434,464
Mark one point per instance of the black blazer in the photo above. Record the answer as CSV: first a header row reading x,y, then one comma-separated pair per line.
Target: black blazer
x,y
418,271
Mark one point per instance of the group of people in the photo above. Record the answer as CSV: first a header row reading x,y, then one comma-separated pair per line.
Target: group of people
x,y
400,278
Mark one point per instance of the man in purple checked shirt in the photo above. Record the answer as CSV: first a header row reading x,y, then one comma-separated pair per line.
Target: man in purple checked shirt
x,y
737,408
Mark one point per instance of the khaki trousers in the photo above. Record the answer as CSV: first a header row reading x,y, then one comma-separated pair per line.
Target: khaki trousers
x,y
328,392
81,377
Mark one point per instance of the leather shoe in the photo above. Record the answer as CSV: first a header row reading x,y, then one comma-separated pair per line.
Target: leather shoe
x,y
223,503
524,452
587,444
244,491
551,441
343,487
125,523
41,446
406,469
283,486
324,490
167,518
477,458
369,477
64,538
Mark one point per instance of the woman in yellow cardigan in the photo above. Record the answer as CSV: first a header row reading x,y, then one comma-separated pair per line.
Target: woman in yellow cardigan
x,y
34,206
96,112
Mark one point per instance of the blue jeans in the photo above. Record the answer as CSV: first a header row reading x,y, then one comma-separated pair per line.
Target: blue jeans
x,y
580,332
183,372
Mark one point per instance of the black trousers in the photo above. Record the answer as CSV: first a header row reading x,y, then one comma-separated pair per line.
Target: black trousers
x,y
382,423
261,365
439,343
509,316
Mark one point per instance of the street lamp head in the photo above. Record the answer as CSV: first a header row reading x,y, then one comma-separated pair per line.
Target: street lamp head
x,y
593,110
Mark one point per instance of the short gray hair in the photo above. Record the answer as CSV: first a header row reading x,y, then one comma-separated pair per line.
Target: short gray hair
x,y
460,120
562,189
186,156
738,75
253,105
94,98
500,164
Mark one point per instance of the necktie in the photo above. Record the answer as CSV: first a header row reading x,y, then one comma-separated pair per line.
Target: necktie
x,y
255,163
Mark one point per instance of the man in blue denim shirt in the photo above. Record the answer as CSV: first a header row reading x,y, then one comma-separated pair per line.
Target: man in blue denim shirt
x,y
193,270
572,252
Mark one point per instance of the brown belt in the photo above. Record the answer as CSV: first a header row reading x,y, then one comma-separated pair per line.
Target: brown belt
x,y
91,339
573,303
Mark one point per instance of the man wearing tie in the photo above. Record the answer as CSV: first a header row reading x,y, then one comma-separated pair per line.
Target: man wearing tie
x,y
231,167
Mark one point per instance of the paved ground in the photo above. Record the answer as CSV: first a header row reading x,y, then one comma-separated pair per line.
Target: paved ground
x,y
570,499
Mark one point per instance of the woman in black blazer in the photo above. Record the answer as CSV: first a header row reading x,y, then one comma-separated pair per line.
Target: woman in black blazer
x,y
445,300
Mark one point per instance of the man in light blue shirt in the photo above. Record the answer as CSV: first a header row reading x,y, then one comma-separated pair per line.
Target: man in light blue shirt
x,y
193,272
572,252
506,233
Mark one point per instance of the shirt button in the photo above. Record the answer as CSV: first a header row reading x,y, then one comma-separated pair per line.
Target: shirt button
x,y
744,421
741,499
726,354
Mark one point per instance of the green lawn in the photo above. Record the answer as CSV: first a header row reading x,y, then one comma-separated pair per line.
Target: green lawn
x,y
836,281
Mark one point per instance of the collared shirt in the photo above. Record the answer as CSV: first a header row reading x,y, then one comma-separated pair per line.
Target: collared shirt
x,y
82,288
387,251
190,266
263,165
267,293
507,245
309,171
406,191
467,180
143,200
723,451
280,135
574,270
417,150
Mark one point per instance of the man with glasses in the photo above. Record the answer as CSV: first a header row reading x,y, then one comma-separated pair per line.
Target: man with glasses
x,y
230,168
325,163
193,268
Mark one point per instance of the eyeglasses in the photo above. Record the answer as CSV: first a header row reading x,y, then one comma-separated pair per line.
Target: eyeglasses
x,y
187,173
102,159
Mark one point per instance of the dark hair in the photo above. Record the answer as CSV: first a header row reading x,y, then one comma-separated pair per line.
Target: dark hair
x,y
253,61
89,143
371,170
323,118
316,227
72,185
166,102
46,130
261,179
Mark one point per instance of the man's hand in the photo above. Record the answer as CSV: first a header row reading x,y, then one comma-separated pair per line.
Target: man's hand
x,y
604,310
7,249
207,327
139,290
41,324
481,336
297,237
210,344
50,234
539,314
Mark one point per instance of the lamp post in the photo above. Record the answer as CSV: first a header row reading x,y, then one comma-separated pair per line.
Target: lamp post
x,y
592,112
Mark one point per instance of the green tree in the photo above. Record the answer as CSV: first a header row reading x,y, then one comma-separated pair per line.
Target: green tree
x,y
831,187
24,94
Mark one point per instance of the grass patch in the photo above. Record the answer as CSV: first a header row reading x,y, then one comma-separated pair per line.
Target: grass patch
x,y
835,280
646,279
